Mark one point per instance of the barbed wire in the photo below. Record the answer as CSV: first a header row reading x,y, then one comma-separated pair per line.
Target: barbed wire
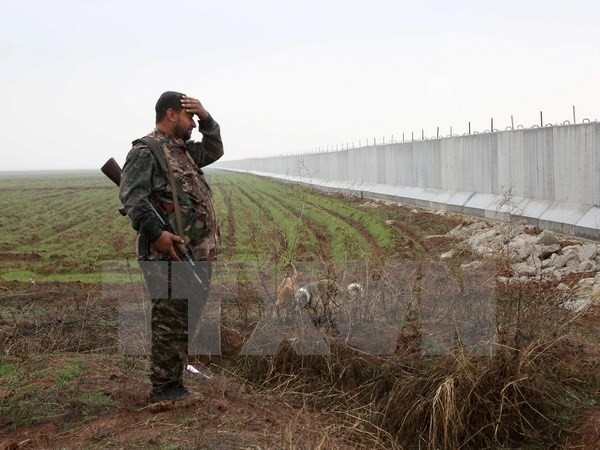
x,y
382,142
405,139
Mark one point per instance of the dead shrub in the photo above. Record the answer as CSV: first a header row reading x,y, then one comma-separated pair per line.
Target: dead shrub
x,y
522,395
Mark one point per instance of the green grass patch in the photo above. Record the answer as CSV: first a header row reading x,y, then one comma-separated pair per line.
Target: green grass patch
x,y
72,371
11,374
62,228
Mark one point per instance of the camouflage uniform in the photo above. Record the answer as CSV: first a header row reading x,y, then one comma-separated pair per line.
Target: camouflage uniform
x,y
143,180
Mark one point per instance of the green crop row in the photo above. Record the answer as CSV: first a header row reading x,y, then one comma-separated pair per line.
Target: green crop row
x,y
64,227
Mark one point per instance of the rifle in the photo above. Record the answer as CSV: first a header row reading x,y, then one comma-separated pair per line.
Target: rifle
x,y
113,171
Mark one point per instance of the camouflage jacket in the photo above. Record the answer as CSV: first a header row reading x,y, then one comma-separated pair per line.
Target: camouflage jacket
x,y
143,180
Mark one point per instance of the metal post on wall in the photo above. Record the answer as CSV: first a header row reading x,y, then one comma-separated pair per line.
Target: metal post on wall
x,y
469,127
541,119
512,122
574,120
438,133
492,125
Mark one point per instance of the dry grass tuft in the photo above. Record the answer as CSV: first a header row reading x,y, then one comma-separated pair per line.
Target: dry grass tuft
x,y
527,393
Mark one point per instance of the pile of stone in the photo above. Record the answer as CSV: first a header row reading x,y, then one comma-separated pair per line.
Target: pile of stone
x,y
533,255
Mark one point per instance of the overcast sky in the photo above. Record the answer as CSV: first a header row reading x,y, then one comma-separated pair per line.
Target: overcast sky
x,y
79,79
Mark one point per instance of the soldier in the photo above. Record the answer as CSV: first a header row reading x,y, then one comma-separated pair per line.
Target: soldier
x,y
159,165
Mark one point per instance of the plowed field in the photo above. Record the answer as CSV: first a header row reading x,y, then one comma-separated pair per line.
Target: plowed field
x,y
65,384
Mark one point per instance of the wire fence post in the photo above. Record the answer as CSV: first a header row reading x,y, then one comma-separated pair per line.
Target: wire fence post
x,y
437,135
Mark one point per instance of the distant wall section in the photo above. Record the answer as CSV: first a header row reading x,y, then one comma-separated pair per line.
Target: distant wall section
x,y
549,176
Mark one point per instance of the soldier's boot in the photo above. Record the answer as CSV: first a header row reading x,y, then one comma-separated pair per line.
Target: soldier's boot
x,y
172,393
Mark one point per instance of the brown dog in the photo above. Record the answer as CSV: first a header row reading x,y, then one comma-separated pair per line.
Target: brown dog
x,y
286,290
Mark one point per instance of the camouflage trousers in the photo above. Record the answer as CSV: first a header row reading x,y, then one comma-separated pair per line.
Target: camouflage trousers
x,y
178,299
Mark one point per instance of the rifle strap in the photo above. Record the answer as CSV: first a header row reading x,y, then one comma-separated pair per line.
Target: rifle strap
x,y
157,150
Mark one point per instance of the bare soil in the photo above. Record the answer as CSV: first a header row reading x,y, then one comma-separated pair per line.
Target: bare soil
x,y
57,325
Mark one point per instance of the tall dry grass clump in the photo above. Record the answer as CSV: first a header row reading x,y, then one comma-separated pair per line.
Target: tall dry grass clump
x,y
526,393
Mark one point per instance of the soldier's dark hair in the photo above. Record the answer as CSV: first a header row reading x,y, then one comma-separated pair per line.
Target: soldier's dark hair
x,y
169,99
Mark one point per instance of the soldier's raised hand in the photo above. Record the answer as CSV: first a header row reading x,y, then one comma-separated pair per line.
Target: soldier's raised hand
x,y
193,106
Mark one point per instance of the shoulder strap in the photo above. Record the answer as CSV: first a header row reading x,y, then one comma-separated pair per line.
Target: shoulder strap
x,y
157,151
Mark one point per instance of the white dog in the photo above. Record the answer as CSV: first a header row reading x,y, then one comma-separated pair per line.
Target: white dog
x,y
322,300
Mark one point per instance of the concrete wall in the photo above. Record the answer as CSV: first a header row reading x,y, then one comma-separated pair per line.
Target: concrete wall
x,y
550,176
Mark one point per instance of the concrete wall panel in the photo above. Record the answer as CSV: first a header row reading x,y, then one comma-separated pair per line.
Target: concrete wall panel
x,y
549,176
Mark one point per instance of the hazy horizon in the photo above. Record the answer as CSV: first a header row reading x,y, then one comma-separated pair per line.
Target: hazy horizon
x,y
80,79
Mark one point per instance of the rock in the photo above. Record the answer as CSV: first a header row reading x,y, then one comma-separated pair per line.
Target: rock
x,y
595,296
587,252
586,284
548,274
471,265
565,271
503,280
518,280
525,269
516,230
477,239
547,238
588,266
557,275
563,287
435,236
467,229
534,261
545,251
558,261
521,247
548,264
448,255
571,256
577,305
414,211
